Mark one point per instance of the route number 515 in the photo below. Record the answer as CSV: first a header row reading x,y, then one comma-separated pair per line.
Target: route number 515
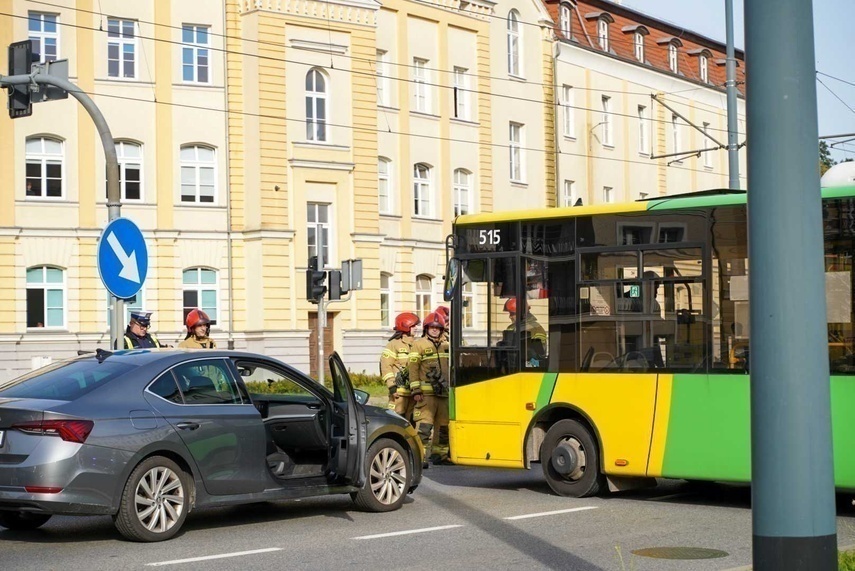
x,y
491,237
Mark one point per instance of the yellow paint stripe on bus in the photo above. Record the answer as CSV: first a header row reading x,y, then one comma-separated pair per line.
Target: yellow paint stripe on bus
x,y
550,213
660,426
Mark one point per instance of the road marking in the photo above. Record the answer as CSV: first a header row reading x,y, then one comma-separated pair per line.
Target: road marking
x,y
526,516
209,557
408,532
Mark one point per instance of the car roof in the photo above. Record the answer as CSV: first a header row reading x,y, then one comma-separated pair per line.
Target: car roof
x,y
142,357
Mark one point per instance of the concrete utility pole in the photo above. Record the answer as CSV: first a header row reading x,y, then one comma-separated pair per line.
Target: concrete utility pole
x,y
114,198
793,503
732,109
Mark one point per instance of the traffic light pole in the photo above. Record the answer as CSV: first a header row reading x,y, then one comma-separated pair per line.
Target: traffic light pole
x,y
114,199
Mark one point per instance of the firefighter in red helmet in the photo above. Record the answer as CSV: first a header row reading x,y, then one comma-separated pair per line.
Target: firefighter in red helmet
x,y
445,313
429,376
198,329
394,364
534,335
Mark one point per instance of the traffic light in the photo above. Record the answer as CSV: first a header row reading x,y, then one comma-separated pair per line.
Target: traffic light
x,y
335,284
315,278
20,63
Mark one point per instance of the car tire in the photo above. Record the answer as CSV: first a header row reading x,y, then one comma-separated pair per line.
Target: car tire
x,y
571,460
155,501
387,479
23,521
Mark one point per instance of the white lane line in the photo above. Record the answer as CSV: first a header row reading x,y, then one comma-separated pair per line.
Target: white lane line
x,y
408,532
526,516
209,557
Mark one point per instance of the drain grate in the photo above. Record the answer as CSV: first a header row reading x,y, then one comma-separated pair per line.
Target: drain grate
x,y
680,553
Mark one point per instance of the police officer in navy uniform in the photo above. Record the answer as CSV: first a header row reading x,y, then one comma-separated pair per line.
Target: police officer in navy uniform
x,y
137,335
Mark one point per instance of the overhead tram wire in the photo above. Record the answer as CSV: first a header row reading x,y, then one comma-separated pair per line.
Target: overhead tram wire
x,y
835,95
398,64
836,78
401,133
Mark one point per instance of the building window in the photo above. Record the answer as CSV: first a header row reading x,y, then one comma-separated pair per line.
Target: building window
x,y
200,290
135,303
603,33
672,57
44,36
424,301
130,170
384,185
386,300
608,130
421,190
564,20
643,131
708,155
639,46
515,151
382,68
316,106
514,41
703,68
568,194
461,93
45,297
198,174
608,194
121,49
421,78
675,134
567,102
195,63
468,309
318,229
462,187
44,170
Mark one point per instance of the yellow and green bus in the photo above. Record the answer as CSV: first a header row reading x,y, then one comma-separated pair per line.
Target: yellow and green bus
x,y
627,356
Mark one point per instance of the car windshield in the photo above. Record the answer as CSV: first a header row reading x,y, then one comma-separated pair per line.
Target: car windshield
x,y
68,380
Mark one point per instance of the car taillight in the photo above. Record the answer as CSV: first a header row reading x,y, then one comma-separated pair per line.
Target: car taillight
x,y
68,430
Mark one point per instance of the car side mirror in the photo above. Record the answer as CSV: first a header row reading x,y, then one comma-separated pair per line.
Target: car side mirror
x,y
360,396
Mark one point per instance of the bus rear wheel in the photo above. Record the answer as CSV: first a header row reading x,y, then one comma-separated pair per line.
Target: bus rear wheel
x,y
571,460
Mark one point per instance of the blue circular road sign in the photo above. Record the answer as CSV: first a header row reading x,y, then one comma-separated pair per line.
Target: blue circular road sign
x,y
122,258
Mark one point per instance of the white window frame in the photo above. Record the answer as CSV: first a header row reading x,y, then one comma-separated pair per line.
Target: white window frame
x,y
318,218
385,202
608,122
44,159
197,166
603,34
387,292
516,140
568,97
199,287
199,51
673,63
608,194
568,195
565,20
461,88
421,89
514,33
124,45
422,175
317,106
126,161
462,188
639,46
643,131
42,35
708,155
467,312
48,286
424,295
382,70
703,68
137,305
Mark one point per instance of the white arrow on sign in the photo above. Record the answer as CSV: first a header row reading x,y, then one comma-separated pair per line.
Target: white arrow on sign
x,y
130,271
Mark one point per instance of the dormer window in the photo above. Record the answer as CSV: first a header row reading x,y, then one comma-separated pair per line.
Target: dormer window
x,y
704,56
639,46
564,20
603,20
673,45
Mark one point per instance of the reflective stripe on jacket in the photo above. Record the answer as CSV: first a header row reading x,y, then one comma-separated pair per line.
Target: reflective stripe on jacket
x,y
395,358
429,364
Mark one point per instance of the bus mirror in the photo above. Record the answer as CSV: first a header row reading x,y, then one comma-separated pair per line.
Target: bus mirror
x,y
452,279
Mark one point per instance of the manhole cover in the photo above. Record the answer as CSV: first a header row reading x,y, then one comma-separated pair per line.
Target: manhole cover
x,y
680,553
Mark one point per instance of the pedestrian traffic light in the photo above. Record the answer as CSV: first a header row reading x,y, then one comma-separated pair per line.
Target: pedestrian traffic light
x,y
335,284
315,278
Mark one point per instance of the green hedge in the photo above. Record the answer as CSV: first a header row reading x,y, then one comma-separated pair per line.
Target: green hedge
x,y
846,561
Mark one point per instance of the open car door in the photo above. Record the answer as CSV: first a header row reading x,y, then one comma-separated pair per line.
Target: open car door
x,y
348,432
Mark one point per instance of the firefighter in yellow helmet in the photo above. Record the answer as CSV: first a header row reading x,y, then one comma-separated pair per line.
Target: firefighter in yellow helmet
x,y
394,365
429,375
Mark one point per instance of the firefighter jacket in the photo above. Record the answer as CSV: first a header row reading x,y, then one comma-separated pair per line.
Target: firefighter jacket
x,y
429,366
394,364
193,343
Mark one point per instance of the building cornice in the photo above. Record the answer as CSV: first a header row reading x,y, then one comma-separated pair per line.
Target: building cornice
x,y
354,12
367,238
323,47
324,165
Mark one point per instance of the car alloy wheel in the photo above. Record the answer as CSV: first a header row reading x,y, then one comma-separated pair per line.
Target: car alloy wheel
x,y
388,476
159,499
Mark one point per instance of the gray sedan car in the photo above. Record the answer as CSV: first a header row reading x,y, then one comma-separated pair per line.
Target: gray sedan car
x,y
148,435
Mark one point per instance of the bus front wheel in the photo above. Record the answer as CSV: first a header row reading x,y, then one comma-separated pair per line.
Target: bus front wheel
x,y
570,460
